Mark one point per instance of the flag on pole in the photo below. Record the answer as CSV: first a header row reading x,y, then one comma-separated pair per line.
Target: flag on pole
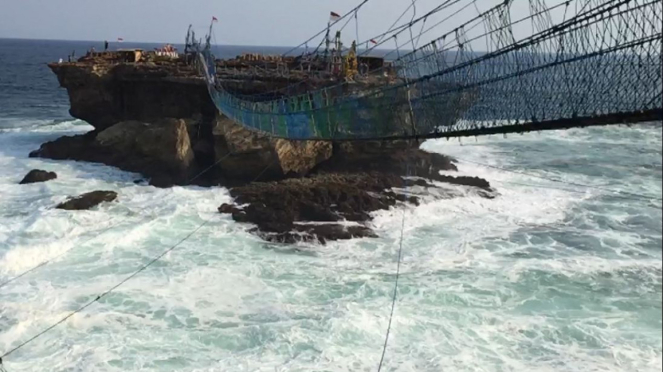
x,y
373,41
333,17
214,19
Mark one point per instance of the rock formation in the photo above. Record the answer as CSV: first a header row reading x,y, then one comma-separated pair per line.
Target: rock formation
x,y
38,175
160,150
115,98
87,200
281,210
158,120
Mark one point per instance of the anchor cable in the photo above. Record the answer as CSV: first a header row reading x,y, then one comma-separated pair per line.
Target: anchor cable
x,y
110,290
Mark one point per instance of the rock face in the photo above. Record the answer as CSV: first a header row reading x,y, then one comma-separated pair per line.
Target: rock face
x,y
37,175
127,103
122,100
301,157
277,207
106,94
158,120
88,200
243,155
160,150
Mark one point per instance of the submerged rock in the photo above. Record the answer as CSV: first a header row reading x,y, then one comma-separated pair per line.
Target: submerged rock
x,y
317,233
88,200
228,209
38,175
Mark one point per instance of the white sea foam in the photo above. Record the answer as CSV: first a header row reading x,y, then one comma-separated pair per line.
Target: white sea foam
x,y
539,278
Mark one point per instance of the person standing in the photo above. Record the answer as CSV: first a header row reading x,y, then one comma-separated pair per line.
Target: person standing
x,y
105,45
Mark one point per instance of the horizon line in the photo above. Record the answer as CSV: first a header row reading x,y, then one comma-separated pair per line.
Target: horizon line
x,y
133,41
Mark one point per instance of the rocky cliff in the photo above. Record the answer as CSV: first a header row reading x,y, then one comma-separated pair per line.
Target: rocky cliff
x,y
128,104
158,120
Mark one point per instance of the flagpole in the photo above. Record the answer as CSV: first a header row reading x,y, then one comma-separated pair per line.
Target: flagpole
x,y
327,39
320,33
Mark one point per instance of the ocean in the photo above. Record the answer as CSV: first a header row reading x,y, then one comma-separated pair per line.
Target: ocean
x,y
548,276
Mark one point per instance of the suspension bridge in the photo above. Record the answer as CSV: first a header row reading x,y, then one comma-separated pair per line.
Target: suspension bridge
x,y
584,63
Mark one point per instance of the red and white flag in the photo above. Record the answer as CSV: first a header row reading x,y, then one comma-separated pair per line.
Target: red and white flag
x,y
214,19
333,17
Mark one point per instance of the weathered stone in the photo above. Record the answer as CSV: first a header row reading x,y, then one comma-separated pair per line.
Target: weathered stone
x,y
37,175
165,141
105,94
402,158
279,208
120,98
321,181
88,200
318,233
243,155
228,209
466,181
159,150
275,207
301,157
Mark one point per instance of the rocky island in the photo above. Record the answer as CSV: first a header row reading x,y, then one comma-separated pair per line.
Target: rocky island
x,y
153,115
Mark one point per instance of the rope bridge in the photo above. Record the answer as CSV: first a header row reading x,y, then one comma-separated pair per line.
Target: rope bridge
x,y
598,64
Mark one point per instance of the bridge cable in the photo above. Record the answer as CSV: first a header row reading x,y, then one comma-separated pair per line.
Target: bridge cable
x,y
520,45
414,15
408,25
110,290
52,259
400,251
398,274
46,262
381,37
327,28
403,27
107,292
357,30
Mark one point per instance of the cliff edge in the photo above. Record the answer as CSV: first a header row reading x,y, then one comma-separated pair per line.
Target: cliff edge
x,y
157,119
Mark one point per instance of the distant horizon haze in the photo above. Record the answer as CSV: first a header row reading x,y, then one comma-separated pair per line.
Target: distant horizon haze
x,y
286,23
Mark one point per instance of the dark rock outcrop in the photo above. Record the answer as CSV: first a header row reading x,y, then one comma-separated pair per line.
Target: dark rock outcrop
x,y
38,175
392,157
276,207
122,98
105,94
88,200
228,209
159,150
157,119
283,210
317,233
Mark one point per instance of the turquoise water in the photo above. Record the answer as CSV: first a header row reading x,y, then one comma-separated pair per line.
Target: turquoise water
x,y
539,278
546,277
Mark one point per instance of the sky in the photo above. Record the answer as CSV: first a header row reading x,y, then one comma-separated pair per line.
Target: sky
x,y
241,22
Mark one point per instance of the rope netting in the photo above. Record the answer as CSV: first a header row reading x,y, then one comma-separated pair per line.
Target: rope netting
x,y
583,62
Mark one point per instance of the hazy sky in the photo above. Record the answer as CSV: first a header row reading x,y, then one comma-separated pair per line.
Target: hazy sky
x,y
241,22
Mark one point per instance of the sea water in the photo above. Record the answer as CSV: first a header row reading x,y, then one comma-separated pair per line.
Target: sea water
x,y
548,276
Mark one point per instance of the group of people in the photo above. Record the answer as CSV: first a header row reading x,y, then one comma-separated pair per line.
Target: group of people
x,y
167,51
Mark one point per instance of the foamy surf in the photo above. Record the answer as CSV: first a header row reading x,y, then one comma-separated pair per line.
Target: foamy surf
x,y
544,277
